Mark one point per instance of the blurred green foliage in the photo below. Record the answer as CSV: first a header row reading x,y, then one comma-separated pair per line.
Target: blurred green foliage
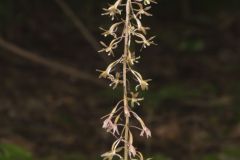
x,y
178,92
210,157
160,157
192,46
13,152
6,12
231,153
73,156
228,153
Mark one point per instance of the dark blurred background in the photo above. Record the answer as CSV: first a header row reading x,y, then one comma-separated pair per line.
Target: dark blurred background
x,y
51,100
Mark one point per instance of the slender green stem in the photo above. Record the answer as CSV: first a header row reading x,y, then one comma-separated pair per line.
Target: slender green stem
x,y
126,109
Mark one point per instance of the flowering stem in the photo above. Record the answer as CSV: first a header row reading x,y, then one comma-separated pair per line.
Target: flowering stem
x,y
130,26
126,49
126,138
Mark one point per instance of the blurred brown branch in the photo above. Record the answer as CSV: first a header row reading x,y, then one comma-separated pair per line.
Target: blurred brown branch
x,y
81,27
49,63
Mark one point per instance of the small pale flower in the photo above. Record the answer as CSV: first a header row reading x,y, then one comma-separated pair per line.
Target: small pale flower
x,y
147,2
108,48
116,80
109,32
143,84
112,10
103,74
109,155
146,131
132,59
112,30
143,11
145,42
110,126
132,30
106,123
143,29
134,99
140,27
132,151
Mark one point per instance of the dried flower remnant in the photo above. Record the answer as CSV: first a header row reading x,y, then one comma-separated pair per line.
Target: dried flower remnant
x,y
126,28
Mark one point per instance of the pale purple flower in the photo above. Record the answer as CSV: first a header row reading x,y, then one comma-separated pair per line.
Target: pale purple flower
x,y
146,131
132,151
110,126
